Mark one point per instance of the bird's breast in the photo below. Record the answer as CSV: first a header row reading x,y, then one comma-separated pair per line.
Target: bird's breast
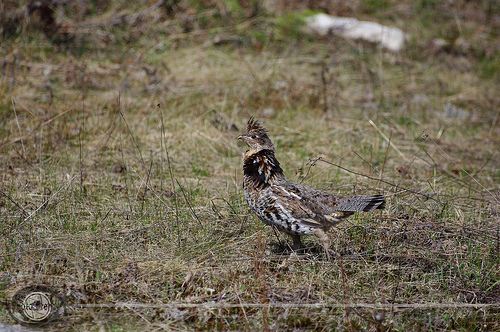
x,y
261,169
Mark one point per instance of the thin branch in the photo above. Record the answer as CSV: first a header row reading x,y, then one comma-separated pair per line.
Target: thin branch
x,y
425,136
387,139
19,127
375,179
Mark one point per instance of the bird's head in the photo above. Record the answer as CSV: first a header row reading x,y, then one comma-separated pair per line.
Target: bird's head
x,y
256,137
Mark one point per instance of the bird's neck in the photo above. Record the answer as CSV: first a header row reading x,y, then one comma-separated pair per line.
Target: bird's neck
x,y
261,168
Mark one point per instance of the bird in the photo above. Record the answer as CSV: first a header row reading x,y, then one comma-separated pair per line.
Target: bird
x,y
292,208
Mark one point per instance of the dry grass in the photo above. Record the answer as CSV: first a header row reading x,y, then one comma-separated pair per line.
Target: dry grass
x,y
120,173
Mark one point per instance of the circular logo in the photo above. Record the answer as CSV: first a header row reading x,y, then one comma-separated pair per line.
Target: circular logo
x,y
35,305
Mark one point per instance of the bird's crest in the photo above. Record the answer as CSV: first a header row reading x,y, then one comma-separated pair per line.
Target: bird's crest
x,y
254,125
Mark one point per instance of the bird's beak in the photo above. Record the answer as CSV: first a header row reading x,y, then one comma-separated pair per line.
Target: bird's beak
x,y
240,137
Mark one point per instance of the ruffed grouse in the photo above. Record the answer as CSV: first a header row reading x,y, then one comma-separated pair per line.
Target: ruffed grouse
x,y
291,207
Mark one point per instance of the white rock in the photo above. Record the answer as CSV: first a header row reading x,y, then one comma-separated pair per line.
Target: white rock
x,y
389,37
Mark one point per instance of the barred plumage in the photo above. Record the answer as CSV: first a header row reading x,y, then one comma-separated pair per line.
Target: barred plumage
x,y
291,207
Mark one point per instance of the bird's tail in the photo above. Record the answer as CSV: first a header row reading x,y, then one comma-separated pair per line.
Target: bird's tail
x,y
365,203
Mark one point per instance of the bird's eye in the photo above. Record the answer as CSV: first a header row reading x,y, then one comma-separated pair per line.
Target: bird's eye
x,y
253,136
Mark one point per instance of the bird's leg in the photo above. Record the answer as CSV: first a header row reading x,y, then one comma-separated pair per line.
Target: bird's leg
x,y
297,244
325,241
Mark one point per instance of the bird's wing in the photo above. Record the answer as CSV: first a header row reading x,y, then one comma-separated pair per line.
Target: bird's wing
x,y
324,203
320,208
312,207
